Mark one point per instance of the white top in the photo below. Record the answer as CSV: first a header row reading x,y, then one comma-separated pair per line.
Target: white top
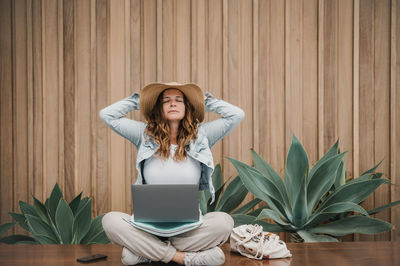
x,y
158,171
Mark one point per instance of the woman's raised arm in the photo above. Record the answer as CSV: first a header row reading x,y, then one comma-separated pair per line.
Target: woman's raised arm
x,y
114,116
231,116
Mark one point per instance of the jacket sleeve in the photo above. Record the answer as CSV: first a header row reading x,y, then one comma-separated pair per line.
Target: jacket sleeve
x,y
114,117
231,116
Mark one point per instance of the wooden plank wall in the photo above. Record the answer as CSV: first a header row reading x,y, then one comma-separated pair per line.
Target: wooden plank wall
x,y
323,70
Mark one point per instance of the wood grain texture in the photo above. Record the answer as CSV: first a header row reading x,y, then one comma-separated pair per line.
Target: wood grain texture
x,y
323,70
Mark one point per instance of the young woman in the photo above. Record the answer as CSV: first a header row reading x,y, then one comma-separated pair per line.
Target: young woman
x,y
172,141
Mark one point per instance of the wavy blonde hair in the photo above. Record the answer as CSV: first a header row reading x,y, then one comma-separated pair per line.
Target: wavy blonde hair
x,y
158,129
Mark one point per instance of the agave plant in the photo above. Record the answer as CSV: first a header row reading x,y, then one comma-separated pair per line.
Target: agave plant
x,y
318,204
56,222
229,200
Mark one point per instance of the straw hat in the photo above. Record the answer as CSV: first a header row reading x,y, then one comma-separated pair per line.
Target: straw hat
x,y
149,95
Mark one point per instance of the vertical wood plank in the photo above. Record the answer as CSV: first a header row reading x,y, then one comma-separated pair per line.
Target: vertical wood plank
x,y
51,110
255,79
69,98
395,116
356,89
128,91
135,73
38,184
29,103
382,108
330,73
321,43
367,104
345,80
345,83
216,46
117,92
60,82
93,106
6,121
168,56
246,88
231,89
183,40
149,41
19,102
310,79
82,94
102,193
294,70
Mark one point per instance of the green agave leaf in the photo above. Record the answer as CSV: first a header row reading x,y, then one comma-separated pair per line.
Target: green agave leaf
x,y
27,208
259,186
296,169
332,210
300,212
211,207
20,219
370,171
43,239
355,191
248,206
82,203
257,211
341,175
217,177
5,227
38,227
100,238
322,180
247,219
54,199
18,239
334,150
235,200
310,237
203,202
41,210
74,204
240,219
261,165
384,207
234,188
82,222
95,231
64,220
267,213
353,224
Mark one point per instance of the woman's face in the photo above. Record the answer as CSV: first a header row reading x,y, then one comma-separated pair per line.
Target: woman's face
x,y
173,105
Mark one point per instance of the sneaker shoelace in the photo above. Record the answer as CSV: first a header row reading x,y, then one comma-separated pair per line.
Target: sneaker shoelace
x,y
256,234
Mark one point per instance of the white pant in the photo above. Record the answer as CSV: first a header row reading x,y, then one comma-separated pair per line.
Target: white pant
x,y
214,231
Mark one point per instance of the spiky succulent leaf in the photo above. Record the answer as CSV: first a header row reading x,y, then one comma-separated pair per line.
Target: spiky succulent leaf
x,y
247,207
74,204
64,219
259,186
310,237
20,219
82,222
322,180
297,167
353,224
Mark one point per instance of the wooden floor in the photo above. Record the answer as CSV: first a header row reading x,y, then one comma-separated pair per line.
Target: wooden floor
x,y
345,253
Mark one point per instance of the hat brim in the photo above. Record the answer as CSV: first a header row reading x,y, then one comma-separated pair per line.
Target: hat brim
x,y
193,93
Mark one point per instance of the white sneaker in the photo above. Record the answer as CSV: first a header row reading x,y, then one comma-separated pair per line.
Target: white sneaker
x,y
213,256
129,258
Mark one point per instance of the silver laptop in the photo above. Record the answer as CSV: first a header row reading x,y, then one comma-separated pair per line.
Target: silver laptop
x,y
165,203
